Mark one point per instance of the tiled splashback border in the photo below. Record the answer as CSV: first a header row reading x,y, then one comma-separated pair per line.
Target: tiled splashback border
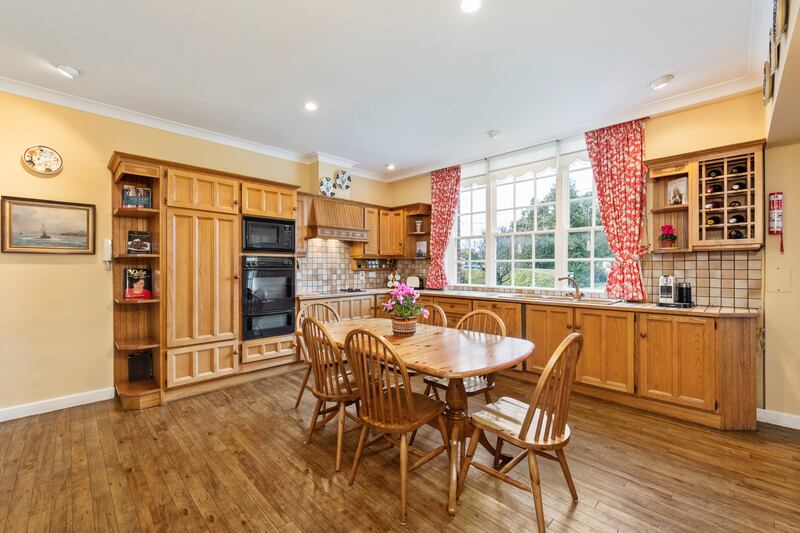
x,y
727,279
326,267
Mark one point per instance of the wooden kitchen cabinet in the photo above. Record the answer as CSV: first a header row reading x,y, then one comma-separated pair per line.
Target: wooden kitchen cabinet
x,y
301,225
607,358
348,307
194,190
276,350
678,360
454,308
202,277
510,313
372,225
268,201
192,364
392,232
546,326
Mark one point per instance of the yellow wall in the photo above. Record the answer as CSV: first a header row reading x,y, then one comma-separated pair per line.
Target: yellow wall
x,y
733,120
782,365
56,316
411,190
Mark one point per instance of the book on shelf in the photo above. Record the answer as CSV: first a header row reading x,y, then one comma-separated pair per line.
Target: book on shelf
x,y
138,284
139,242
136,196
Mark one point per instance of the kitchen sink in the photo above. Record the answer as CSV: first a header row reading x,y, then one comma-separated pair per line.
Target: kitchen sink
x,y
548,298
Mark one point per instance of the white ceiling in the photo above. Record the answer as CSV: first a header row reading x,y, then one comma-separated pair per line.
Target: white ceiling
x,y
415,82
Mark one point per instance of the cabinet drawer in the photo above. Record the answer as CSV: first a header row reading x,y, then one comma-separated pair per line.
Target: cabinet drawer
x,y
269,348
192,364
137,169
454,308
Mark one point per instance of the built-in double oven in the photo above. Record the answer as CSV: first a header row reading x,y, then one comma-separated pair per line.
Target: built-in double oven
x,y
268,281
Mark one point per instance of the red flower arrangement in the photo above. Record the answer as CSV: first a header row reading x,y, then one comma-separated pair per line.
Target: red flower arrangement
x,y
668,237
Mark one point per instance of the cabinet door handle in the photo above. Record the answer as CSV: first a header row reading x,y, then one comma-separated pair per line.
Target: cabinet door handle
x,y
569,326
236,276
643,334
577,326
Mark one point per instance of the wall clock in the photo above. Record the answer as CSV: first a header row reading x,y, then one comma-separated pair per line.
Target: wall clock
x,y
43,160
343,179
327,187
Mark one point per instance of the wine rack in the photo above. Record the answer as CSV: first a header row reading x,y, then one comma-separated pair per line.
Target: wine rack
x,y
725,209
729,200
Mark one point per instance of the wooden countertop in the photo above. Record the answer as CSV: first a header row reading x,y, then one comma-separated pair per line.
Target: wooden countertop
x,y
701,311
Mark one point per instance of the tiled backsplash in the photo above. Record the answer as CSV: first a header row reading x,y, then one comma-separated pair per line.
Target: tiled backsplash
x,y
727,279
326,267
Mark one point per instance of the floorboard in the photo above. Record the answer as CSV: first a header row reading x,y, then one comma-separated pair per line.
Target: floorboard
x,y
234,460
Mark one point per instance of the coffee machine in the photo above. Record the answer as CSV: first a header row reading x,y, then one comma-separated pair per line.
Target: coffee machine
x,y
672,294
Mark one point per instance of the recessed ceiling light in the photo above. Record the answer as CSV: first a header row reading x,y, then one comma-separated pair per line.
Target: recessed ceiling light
x,y
493,134
389,166
311,106
470,6
69,71
661,82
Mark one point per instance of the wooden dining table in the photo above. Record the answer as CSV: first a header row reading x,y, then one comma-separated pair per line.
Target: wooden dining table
x,y
446,353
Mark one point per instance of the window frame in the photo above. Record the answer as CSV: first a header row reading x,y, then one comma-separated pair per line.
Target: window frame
x,y
561,231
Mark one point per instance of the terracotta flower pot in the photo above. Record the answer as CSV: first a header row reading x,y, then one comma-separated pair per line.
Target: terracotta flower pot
x,y
668,244
404,327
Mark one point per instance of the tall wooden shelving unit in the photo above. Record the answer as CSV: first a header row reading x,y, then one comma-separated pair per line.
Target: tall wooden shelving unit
x,y
413,213
137,323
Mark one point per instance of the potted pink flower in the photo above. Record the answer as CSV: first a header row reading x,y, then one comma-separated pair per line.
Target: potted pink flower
x,y
402,305
668,239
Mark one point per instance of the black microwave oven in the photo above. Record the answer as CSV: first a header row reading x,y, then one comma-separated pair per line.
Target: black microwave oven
x,y
267,235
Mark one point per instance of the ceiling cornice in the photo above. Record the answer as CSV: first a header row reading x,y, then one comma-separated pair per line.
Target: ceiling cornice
x,y
98,108
673,103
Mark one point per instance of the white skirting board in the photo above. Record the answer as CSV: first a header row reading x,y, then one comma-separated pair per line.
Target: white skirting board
x,y
786,420
54,404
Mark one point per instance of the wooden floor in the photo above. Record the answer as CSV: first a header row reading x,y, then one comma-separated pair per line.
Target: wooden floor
x,y
233,460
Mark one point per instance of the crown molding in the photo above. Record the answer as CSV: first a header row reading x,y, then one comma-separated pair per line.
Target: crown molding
x,y
734,87
322,157
98,108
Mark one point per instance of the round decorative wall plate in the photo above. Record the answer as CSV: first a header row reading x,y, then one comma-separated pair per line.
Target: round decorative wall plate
x,y
343,179
327,186
42,160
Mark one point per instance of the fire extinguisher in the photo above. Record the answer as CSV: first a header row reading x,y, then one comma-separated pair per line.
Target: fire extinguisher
x,y
776,215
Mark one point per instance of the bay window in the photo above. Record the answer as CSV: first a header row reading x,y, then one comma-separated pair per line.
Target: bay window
x,y
526,218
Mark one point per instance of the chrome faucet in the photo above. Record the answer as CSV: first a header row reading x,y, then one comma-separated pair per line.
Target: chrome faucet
x,y
577,295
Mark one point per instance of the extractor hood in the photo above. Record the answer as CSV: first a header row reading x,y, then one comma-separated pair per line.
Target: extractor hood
x,y
330,219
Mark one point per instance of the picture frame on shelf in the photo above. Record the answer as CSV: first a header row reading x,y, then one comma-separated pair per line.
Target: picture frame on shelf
x,y
37,226
677,191
421,249
137,196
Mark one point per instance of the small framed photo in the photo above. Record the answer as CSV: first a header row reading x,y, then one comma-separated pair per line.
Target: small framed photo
x,y
422,249
135,196
677,192
47,227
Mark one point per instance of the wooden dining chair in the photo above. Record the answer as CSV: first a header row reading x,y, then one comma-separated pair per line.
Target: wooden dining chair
x,y
332,383
436,316
322,312
479,321
538,428
388,405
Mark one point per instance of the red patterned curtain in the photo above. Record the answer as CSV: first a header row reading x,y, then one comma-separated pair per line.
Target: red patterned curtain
x,y
619,173
445,184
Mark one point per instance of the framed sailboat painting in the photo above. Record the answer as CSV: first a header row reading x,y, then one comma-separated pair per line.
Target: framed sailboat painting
x,y
46,227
